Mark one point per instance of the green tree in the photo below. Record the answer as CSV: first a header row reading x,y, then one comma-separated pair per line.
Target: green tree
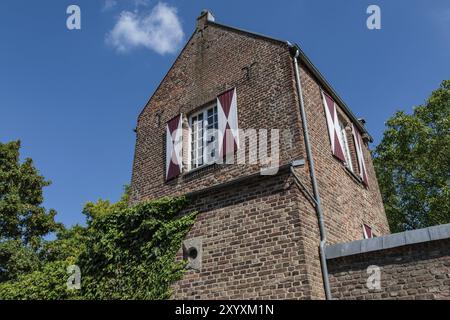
x,y
103,207
413,164
23,220
123,252
130,252
48,278
16,259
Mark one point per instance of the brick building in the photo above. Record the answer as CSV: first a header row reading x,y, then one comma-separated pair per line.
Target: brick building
x,y
260,233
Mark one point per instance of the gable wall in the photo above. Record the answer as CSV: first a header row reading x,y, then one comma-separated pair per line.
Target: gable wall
x,y
212,62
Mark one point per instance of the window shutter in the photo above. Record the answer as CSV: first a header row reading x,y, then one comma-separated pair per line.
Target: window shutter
x,y
333,127
360,154
227,122
367,232
174,136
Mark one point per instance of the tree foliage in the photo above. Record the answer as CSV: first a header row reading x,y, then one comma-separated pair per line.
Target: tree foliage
x,y
123,252
23,220
16,259
413,164
93,210
46,283
21,215
47,277
130,253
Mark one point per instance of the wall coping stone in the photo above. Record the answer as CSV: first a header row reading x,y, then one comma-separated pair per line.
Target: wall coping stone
x,y
388,241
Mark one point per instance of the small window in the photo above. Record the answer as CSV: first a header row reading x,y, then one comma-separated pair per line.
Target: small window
x,y
367,232
347,155
203,137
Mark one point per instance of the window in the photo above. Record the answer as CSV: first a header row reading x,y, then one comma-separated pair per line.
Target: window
x,y
203,137
347,155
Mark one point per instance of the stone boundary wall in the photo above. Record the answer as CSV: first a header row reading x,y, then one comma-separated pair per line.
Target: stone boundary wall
x,y
408,265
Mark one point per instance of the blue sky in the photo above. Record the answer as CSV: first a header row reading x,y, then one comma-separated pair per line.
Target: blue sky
x,y
73,96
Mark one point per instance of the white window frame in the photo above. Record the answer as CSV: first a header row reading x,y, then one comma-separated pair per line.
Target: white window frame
x,y
347,153
205,143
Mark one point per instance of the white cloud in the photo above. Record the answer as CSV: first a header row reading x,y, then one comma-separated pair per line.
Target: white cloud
x,y
160,30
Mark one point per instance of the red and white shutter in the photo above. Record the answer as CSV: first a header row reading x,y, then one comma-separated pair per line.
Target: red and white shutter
x,y
227,122
367,232
360,154
333,127
174,136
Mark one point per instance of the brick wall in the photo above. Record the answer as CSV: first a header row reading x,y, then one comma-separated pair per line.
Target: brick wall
x,y
412,271
260,238
253,245
213,60
347,203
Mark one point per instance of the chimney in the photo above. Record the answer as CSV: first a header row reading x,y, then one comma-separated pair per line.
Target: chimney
x,y
205,16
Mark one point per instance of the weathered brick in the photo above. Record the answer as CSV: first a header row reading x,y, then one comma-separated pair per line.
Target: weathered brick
x,y
415,278
255,232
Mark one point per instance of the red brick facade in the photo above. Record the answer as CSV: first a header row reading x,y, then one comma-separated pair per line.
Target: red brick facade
x,y
260,233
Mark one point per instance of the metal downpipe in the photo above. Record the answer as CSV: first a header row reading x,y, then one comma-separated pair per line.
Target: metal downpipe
x,y
318,207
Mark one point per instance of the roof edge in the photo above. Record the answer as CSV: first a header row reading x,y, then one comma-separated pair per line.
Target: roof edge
x,y
165,76
323,81
255,34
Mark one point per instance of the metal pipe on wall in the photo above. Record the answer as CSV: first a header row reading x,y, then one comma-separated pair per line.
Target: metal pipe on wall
x,y
318,207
